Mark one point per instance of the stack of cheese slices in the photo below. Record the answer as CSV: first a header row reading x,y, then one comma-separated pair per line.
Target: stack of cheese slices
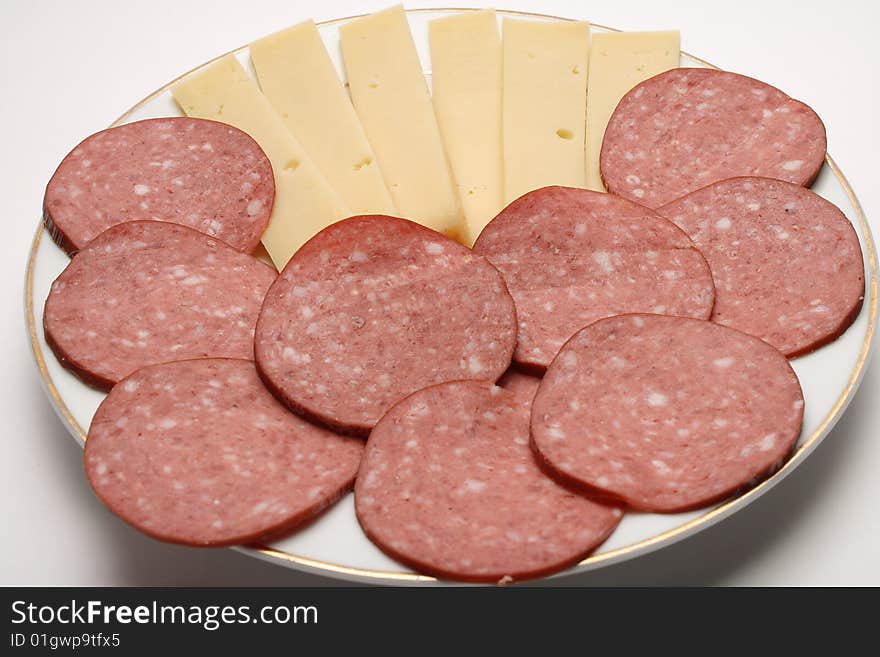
x,y
511,112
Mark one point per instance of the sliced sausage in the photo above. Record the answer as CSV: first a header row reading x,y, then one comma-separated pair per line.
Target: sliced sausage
x,y
202,174
521,384
689,127
198,452
449,486
148,292
787,263
572,256
374,308
665,413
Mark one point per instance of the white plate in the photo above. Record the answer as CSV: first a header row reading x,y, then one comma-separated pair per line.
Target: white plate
x,y
334,545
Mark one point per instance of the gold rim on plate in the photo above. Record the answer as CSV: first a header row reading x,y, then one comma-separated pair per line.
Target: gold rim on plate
x,y
664,538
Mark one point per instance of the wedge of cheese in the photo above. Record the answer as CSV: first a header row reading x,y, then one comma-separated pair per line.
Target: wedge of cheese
x,y
618,62
466,76
304,201
298,78
545,104
391,98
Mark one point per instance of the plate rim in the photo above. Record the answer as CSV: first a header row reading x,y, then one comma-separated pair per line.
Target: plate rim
x,y
593,561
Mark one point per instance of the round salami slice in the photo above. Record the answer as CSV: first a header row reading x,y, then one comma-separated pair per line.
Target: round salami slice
x,y
202,174
198,452
449,486
664,413
148,292
374,308
689,127
787,263
572,256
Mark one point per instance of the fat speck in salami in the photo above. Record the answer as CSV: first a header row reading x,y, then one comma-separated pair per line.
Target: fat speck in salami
x,y
665,413
199,452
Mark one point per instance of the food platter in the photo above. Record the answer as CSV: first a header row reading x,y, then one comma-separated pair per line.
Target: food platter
x,y
334,545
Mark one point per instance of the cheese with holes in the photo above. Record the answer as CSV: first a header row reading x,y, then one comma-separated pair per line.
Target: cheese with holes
x,y
391,98
466,76
618,62
545,104
298,78
304,201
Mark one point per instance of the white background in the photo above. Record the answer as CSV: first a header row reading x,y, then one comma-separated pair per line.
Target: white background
x,y
72,67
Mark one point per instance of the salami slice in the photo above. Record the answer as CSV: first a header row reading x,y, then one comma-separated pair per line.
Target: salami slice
x,y
521,384
449,486
374,308
148,292
787,263
665,413
202,174
572,256
689,127
198,452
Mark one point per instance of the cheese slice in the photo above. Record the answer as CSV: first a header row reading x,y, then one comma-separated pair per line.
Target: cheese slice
x,y
545,104
298,78
304,201
391,98
466,77
618,62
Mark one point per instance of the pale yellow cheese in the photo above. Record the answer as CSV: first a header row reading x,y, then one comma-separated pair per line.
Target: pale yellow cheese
x,y
304,201
391,98
466,76
298,78
618,62
545,104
